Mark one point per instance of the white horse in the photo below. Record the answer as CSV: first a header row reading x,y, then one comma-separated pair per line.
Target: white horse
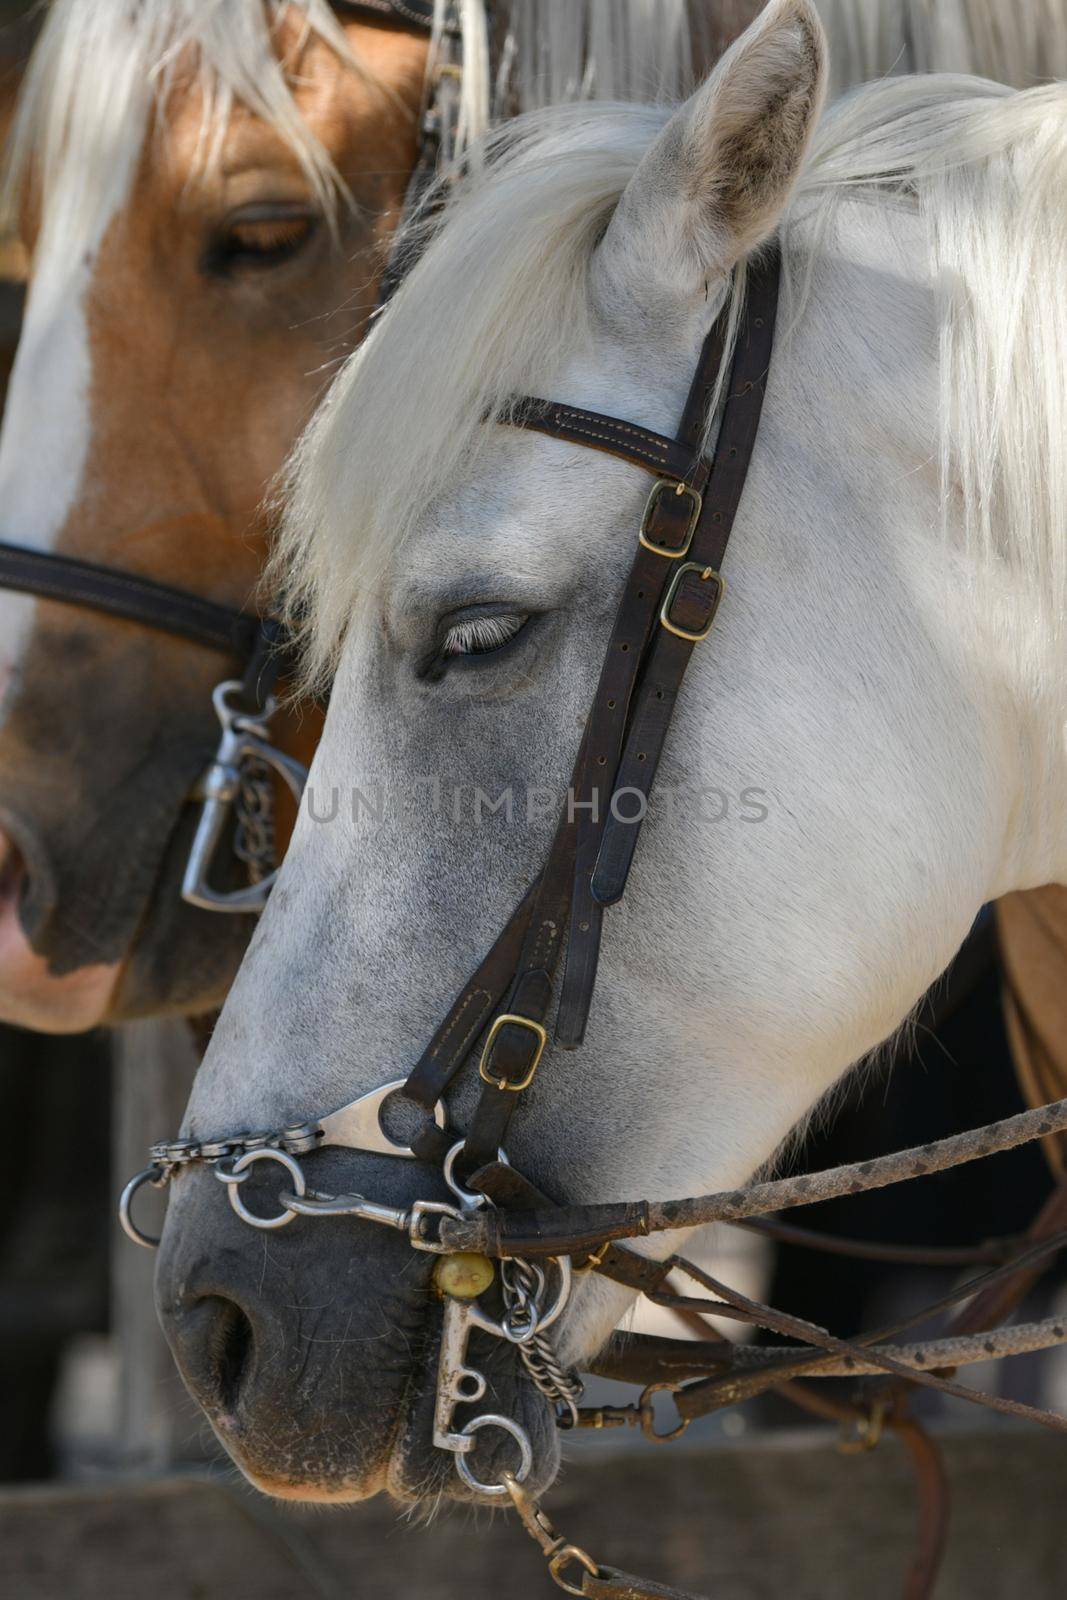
x,y
887,671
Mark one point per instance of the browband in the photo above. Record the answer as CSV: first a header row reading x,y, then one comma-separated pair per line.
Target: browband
x,y
655,452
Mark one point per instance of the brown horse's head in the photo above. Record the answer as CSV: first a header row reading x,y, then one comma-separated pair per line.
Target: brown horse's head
x,y
206,193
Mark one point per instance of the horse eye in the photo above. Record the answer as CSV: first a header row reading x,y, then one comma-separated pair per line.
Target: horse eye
x,y
260,237
480,636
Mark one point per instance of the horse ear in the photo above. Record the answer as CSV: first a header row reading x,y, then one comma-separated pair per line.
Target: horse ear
x,y
714,184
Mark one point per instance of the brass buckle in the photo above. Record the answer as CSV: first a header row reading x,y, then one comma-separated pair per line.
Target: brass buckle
x,y
507,1019
709,575
665,486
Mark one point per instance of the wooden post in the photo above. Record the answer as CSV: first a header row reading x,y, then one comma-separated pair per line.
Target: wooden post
x,y
154,1067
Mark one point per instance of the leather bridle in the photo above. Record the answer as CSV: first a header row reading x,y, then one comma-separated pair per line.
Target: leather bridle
x,y
668,606
257,645
550,944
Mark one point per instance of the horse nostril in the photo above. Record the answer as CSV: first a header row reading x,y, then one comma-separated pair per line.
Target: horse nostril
x,y
231,1344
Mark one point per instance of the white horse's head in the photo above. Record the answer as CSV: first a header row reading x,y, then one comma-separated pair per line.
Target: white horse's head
x,y
867,748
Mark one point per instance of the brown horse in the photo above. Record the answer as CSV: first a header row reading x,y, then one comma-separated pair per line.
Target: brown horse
x,y
207,194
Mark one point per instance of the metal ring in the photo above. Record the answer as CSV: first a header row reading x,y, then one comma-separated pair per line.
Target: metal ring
x,y
648,1415
226,1174
154,1175
492,1420
468,1198
232,1180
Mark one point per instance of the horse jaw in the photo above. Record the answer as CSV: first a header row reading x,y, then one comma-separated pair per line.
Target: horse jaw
x,y
30,996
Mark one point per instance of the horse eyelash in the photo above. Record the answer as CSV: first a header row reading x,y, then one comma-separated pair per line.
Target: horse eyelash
x,y
481,635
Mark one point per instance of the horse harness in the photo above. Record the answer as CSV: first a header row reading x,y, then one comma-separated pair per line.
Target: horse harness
x,y
235,792
549,949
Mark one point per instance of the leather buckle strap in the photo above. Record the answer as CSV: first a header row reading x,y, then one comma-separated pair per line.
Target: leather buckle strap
x,y
692,600
564,909
670,519
502,1079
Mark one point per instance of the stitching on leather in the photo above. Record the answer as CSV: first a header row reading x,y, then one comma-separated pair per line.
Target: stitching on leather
x,y
662,445
472,995
546,936
609,438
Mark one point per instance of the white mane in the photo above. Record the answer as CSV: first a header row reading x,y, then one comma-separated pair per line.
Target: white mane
x,y
101,66
501,297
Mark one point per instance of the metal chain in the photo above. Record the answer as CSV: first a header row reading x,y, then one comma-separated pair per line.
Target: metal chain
x,y
523,1286
169,1154
254,839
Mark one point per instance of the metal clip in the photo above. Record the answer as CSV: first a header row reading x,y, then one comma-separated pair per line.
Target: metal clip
x,y
648,1416
601,1417
245,736
863,1432
553,1546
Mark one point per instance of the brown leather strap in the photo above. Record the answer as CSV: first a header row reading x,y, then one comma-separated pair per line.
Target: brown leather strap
x,y
644,1358
799,1328
611,1584
466,1018
127,595
574,1228
404,13
688,598
561,907
908,1255
697,588
513,1049
676,459
668,527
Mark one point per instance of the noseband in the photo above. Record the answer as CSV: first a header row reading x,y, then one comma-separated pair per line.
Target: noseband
x,y
238,775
